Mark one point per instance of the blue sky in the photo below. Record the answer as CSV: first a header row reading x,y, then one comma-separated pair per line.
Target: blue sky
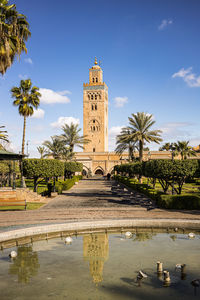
x,y
149,51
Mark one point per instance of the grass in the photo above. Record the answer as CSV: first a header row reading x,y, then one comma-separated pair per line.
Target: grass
x,y
189,198
30,206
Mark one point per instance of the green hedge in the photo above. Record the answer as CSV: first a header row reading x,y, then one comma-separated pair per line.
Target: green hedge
x,y
189,201
142,188
184,201
64,185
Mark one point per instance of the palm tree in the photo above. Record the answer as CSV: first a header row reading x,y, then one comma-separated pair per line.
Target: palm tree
x,y
140,124
72,138
166,146
124,143
3,135
14,32
67,154
184,149
26,98
42,151
54,147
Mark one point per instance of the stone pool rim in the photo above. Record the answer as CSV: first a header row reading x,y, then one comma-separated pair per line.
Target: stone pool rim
x,y
100,224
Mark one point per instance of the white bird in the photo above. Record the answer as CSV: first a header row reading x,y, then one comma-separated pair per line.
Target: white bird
x,y
13,254
128,234
191,235
68,240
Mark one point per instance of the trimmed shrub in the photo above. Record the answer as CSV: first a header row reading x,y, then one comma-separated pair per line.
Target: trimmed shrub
x,y
42,169
71,167
189,201
64,185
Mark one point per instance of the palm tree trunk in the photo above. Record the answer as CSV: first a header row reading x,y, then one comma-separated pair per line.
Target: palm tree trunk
x,y
140,150
23,138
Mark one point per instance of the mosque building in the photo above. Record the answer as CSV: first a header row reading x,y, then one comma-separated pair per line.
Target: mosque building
x,y
96,158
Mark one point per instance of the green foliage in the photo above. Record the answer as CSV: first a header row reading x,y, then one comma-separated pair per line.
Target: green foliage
x,y
64,185
187,201
71,167
14,32
42,168
167,172
143,188
131,169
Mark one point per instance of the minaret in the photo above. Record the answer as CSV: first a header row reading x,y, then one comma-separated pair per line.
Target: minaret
x,y
95,111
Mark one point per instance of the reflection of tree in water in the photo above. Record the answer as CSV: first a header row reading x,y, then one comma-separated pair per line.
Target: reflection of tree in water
x,y
25,265
143,236
95,250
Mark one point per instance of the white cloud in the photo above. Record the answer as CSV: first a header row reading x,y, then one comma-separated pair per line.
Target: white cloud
x,y
49,96
175,131
38,114
65,92
120,101
112,133
23,77
190,78
64,120
164,24
28,61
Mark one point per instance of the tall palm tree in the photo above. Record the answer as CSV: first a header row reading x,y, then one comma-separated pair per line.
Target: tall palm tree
x,y
26,98
183,148
3,135
14,32
42,151
54,147
72,138
140,124
124,143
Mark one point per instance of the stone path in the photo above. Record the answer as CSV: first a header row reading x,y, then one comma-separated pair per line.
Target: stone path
x,y
94,199
99,193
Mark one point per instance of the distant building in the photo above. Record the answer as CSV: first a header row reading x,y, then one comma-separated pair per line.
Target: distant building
x,y
197,148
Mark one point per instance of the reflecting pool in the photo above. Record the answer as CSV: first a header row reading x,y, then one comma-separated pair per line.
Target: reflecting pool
x,y
102,266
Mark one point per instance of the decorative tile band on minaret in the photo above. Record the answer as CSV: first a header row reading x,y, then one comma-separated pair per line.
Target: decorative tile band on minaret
x,y
95,111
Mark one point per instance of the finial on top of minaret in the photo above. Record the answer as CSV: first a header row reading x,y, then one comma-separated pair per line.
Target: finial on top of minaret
x,y
95,61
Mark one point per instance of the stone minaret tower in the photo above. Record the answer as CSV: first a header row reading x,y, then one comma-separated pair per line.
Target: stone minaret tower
x,y
95,111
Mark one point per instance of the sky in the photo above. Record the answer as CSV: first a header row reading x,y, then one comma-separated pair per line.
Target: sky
x,y
150,56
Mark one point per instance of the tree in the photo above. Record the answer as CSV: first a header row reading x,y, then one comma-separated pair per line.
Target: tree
x,y
140,124
26,98
3,135
124,143
166,146
72,138
184,149
14,32
54,148
42,151
42,169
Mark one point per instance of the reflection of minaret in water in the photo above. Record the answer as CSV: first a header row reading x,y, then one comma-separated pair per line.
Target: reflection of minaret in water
x,y
95,250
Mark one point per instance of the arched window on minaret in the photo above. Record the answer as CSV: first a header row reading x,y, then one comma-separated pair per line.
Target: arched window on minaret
x,y
93,79
91,97
93,128
95,106
96,79
95,96
92,107
93,149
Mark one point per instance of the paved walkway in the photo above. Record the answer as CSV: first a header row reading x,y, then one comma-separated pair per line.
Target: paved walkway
x,y
93,199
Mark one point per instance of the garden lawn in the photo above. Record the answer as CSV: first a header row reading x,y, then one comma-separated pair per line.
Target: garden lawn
x,y
30,206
